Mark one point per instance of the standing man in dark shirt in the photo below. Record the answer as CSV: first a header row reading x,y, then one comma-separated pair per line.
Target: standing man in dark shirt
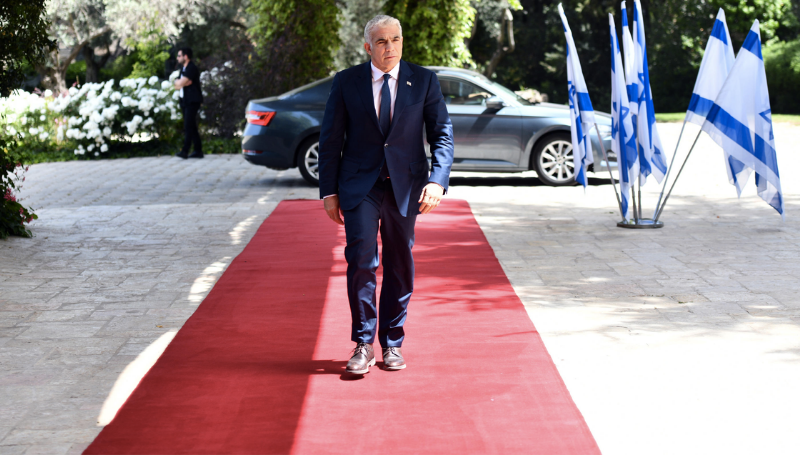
x,y
191,97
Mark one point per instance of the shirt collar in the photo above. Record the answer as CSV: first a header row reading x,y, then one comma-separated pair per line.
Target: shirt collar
x,y
377,74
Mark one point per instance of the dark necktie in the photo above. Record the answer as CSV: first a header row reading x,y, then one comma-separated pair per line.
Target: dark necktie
x,y
384,120
386,105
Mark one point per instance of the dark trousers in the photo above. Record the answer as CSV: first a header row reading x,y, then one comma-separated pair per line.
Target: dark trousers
x,y
190,127
378,212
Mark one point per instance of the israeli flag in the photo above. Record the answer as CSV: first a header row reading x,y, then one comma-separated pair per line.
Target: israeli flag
x,y
580,108
717,63
740,121
623,140
631,77
652,157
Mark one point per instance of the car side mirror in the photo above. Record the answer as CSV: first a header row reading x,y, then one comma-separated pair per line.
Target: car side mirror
x,y
495,103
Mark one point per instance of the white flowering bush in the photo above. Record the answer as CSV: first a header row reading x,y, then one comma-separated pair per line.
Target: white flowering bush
x,y
86,119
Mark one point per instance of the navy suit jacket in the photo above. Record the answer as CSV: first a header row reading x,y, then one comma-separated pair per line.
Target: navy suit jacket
x,y
352,148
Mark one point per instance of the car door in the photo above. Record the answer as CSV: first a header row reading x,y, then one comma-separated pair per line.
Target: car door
x,y
484,138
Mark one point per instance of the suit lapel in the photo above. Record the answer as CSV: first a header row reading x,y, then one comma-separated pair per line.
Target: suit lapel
x,y
403,91
365,93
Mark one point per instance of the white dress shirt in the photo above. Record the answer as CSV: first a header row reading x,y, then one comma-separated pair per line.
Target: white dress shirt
x,y
377,85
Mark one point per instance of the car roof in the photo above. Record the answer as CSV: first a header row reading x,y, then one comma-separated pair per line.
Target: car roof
x,y
458,72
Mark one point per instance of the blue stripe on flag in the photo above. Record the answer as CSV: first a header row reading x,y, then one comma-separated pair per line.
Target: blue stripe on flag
x,y
584,102
633,93
736,168
739,133
753,44
700,105
718,31
766,154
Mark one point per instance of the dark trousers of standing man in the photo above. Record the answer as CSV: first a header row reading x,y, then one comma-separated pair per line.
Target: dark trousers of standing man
x,y
379,212
190,127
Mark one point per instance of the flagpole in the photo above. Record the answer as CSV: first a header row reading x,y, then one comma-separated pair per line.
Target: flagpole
x,y
633,200
661,209
639,179
669,169
610,175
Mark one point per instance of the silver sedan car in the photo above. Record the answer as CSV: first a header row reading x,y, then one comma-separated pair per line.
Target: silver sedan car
x,y
495,130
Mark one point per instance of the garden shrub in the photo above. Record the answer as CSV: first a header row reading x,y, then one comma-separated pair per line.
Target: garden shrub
x,y
87,119
13,215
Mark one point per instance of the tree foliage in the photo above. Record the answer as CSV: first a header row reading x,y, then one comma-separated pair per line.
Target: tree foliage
x,y
23,40
677,32
355,15
435,31
295,39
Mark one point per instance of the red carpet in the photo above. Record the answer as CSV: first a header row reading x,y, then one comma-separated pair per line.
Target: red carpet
x,y
258,368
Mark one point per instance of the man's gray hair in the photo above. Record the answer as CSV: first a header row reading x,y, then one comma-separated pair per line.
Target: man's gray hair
x,y
380,20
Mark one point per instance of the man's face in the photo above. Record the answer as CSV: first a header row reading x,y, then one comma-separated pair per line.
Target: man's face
x,y
386,48
181,58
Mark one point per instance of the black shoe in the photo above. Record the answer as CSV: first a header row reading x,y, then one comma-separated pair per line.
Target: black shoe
x,y
196,155
183,155
393,359
363,358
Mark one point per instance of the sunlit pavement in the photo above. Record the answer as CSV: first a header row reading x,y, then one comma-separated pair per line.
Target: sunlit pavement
x,y
679,340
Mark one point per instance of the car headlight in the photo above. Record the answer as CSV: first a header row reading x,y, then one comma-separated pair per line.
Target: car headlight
x,y
605,130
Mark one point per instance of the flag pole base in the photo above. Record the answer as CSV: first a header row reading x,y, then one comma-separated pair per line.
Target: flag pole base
x,y
644,223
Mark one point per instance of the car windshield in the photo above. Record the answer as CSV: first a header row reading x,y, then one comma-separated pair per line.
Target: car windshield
x,y
508,92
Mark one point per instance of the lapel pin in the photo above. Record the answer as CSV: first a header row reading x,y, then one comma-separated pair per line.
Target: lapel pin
x,y
409,83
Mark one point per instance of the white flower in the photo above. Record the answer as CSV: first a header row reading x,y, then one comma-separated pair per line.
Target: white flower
x,y
48,93
104,148
60,134
33,131
107,132
11,130
176,95
152,80
73,91
96,154
77,152
90,125
228,64
148,122
202,115
42,118
116,96
90,148
165,85
174,75
24,120
96,117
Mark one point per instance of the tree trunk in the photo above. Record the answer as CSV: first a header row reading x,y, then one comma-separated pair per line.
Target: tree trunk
x,y
92,68
506,28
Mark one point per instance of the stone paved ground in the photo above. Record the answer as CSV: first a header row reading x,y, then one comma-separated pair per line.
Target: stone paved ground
x,y
680,340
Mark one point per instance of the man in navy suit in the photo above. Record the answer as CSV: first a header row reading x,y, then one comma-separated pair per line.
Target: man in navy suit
x,y
373,170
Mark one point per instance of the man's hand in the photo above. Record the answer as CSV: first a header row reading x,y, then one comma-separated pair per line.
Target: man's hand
x,y
333,209
430,198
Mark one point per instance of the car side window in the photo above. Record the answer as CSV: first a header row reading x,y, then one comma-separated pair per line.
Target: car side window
x,y
462,92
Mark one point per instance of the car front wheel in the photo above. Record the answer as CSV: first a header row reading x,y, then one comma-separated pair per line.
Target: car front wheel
x,y
552,160
308,160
